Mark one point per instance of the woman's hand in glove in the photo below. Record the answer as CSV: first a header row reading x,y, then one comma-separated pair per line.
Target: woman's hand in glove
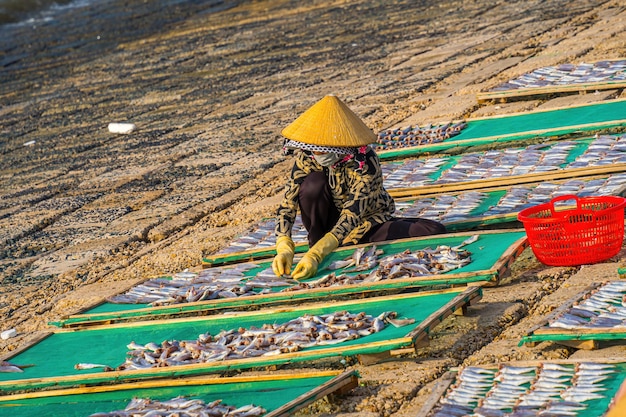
x,y
281,265
307,267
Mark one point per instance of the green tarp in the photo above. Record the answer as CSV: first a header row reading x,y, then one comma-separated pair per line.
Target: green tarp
x,y
54,358
488,252
269,393
539,124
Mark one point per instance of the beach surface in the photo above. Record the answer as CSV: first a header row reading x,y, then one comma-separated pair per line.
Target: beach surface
x,y
85,213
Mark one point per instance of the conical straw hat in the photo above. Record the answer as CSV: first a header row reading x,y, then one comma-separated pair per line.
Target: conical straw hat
x,y
329,122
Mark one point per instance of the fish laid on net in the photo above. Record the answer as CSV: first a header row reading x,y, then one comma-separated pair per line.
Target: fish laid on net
x,y
182,407
417,135
567,74
189,287
548,389
267,340
401,265
231,282
602,308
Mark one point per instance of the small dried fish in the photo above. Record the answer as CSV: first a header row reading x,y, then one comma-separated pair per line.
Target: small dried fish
x,y
92,366
181,406
270,339
10,367
602,308
549,389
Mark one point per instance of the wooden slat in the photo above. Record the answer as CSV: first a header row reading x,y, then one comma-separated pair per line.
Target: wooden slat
x,y
346,381
467,297
441,386
164,383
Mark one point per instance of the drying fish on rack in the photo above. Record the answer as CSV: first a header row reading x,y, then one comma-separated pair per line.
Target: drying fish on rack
x,y
362,259
604,307
548,389
10,367
402,265
181,406
417,135
565,74
477,166
188,287
267,340
603,150
449,208
423,262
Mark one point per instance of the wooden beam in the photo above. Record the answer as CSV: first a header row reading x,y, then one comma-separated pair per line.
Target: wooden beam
x,y
441,386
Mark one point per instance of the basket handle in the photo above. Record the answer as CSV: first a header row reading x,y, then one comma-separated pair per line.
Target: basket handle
x,y
563,198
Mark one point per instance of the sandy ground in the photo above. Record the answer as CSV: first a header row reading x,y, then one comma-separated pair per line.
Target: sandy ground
x,y
84,213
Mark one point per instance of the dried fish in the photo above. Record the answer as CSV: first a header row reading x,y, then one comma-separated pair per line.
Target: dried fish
x,y
549,389
92,366
602,308
181,406
417,135
10,368
565,74
270,339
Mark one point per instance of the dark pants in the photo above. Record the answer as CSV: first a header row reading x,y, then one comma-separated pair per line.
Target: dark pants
x,y
319,216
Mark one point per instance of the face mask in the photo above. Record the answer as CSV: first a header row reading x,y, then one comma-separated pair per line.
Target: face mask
x,y
327,159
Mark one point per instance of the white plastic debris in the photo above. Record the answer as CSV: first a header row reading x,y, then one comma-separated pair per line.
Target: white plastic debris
x,y
7,334
121,127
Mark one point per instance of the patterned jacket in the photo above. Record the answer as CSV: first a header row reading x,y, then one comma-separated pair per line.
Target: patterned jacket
x,y
358,194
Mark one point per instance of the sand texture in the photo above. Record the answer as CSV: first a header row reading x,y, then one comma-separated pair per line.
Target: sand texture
x,y
85,213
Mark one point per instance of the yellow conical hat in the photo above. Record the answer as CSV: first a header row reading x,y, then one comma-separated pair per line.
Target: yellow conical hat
x,y
329,122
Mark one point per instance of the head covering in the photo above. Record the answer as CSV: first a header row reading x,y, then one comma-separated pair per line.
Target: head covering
x,y
329,123
290,145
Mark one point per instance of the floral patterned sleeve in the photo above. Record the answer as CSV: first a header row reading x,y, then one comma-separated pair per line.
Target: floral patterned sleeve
x,y
289,205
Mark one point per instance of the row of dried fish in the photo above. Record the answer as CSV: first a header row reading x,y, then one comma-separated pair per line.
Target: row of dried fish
x,y
417,135
453,207
189,287
565,74
406,264
268,340
548,389
603,150
182,407
231,281
603,307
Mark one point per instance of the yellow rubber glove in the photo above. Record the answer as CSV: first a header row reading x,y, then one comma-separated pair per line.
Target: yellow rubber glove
x,y
281,265
307,267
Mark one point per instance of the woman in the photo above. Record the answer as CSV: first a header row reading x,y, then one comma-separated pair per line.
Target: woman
x,y
337,184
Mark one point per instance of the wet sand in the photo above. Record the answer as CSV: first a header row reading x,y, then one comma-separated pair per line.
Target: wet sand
x,y
85,213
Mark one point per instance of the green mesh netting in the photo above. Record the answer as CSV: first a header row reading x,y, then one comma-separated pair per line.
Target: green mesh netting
x,y
485,253
267,394
550,123
56,355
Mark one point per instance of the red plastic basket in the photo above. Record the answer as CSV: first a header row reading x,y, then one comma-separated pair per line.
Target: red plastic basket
x,y
590,231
